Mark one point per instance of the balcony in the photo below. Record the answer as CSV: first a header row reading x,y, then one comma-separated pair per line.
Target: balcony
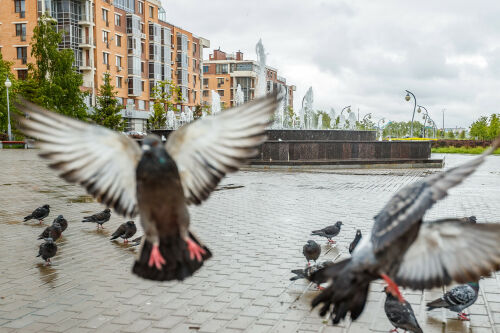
x,y
86,21
85,66
86,43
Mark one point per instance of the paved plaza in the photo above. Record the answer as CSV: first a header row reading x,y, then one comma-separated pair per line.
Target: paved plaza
x,y
255,224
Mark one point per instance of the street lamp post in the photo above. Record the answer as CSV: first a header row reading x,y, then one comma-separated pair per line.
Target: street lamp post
x,y
8,84
348,109
407,97
426,116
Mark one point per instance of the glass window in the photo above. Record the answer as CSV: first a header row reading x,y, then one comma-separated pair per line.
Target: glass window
x,y
19,4
220,82
105,15
205,82
22,53
118,20
105,36
105,58
118,40
221,69
220,92
118,61
205,93
21,29
22,74
205,69
141,7
151,11
118,81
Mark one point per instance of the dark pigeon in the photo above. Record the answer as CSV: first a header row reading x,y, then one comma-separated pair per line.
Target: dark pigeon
x,y
47,250
39,214
406,252
157,181
355,241
54,232
311,251
125,231
457,299
62,222
328,232
307,272
401,315
99,218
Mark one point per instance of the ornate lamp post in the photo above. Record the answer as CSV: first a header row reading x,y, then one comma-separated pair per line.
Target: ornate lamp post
x,y
8,84
348,109
426,116
407,98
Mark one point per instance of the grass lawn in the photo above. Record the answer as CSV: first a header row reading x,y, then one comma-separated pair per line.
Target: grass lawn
x,y
462,150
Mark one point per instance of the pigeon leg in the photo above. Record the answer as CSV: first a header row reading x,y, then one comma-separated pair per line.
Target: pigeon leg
x,y
319,287
125,241
155,258
394,330
463,316
393,287
194,250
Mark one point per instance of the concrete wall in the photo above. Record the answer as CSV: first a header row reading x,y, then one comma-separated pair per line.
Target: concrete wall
x,y
315,135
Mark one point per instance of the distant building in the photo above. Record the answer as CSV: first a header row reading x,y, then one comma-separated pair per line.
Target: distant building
x,y
130,39
223,72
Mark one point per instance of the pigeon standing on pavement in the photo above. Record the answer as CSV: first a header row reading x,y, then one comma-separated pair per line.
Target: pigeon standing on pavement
x,y
99,218
54,232
39,214
308,272
47,250
404,251
328,232
158,180
355,241
400,315
62,222
125,231
311,251
457,299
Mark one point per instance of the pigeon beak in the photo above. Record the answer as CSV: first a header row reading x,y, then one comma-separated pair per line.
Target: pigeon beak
x,y
146,147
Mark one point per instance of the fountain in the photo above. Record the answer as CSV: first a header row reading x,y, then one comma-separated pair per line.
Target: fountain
x,y
352,121
189,115
320,121
170,119
183,119
239,98
333,118
262,75
215,103
306,112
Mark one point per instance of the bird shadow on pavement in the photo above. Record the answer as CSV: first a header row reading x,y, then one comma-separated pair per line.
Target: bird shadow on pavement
x,y
48,273
100,232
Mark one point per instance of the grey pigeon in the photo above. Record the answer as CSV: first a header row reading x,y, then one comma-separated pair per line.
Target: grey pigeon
x,y
311,251
328,232
39,214
47,250
355,241
406,252
400,315
457,299
54,232
125,231
307,272
99,218
62,222
157,181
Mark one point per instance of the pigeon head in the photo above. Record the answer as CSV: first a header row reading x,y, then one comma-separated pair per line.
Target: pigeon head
x,y
338,224
60,217
107,210
46,206
151,143
311,242
130,223
473,219
358,232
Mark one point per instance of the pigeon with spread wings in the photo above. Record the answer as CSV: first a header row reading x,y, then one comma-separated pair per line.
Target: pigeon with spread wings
x,y
156,182
406,252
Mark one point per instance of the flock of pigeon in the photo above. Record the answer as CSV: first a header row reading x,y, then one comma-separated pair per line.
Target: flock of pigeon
x,y
52,233
158,180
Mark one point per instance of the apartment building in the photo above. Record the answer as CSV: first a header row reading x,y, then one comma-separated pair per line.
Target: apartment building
x,y
223,73
129,39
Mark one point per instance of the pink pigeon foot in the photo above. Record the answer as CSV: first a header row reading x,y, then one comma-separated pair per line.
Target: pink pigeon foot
x,y
194,250
155,258
394,330
463,316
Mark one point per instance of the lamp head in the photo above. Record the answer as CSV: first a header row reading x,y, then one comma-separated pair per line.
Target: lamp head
x,y
419,110
407,97
8,84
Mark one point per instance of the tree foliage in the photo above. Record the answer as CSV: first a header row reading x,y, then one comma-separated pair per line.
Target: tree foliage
x,y
166,95
107,110
402,129
480,129
53,81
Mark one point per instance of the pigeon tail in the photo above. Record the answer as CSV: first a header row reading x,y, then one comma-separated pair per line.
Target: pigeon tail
x,y
436,304
347,292
299,274
174,250
27,218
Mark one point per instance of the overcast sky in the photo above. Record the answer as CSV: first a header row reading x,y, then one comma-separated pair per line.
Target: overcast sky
x,y
366,53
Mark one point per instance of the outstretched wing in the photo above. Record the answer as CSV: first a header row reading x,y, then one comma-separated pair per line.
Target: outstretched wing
x,y
450,251
99,159
409,205
207,149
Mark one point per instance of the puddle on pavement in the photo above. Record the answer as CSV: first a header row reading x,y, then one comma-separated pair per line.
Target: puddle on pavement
x,y
81,199
48,274
228,187
46,191
6,185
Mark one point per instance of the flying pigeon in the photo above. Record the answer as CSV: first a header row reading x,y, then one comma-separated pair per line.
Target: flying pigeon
x,y
99,218
307,272
311,251
328,232
157,181
62,222
54,232
406,252
47,250
125,231
39,214
355,241
457,299
400,315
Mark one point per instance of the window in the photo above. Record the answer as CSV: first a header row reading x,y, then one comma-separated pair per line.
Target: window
x,y
205,93
205,69
105,16
151,11
205,82
142,68
220,82
142,104
143,46
142,89
141,7
105,58
118,40
118,20
19,5
194,63
194,48
105,35
22,74
119,82
22,53
118,61
142,27
220,92
21,30
221,69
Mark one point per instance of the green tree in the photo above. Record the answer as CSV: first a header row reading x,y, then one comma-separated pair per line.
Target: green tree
x,y
290,116
479,129
450,135
107,111
494,127
53,81
325,119
5,71
166,95
366,123
461,136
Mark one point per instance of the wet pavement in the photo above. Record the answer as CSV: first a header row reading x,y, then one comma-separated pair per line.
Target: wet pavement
x,y
255,225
